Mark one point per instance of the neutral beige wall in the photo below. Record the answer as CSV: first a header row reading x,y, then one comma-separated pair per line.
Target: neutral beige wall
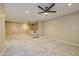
x,y
64,28
40,28
2,32
1,9
2,29
17,28
21,28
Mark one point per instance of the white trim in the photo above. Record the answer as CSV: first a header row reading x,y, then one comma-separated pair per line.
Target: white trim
x,y
2,52
62,41
68,42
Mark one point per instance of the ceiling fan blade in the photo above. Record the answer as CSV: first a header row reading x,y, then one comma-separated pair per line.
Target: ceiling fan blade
x,y
41,12
52,11
41,8
47,12
50,7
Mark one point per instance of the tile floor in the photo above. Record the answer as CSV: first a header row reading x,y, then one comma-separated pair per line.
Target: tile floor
x,y
23,45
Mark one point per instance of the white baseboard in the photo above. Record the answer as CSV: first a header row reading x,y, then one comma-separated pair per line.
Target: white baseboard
x,y
68,42
63,41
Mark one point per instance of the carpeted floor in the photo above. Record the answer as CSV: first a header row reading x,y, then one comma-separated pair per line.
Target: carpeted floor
x,y
23,45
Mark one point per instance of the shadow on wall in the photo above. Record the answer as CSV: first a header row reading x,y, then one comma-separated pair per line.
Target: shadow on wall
x,y
34,27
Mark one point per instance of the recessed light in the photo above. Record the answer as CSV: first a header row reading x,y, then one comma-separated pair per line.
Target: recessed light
x,y
70,4
27,12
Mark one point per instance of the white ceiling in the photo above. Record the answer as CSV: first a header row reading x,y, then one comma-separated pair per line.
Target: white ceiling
x,y
17,11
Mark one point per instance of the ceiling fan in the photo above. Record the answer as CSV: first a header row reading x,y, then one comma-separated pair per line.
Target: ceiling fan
x,y
47,9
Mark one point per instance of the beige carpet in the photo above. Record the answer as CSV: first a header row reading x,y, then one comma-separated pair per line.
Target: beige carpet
x,y
23,45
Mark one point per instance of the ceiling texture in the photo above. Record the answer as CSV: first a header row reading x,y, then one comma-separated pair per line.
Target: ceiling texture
x,y
23,12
